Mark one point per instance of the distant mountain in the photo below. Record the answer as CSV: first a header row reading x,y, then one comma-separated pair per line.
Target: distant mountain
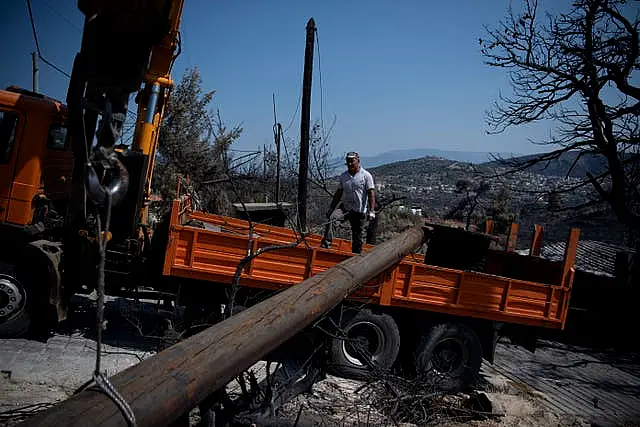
x,y
579,166
417,169
559,167
408,154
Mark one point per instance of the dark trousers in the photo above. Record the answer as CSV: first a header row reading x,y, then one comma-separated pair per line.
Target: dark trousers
x,y
356,221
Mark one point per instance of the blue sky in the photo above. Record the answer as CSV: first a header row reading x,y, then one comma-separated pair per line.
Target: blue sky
x,y
396,75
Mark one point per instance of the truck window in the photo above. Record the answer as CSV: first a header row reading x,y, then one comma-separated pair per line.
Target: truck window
x,y
8,122
57,139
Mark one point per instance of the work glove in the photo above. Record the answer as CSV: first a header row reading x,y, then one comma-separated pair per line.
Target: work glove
x,y
371,215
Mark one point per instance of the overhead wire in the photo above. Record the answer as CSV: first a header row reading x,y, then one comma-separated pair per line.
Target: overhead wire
x,y
61,16
35,38
39,51
293,116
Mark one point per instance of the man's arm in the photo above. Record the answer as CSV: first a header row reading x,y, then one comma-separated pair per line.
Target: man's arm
x,y
371,193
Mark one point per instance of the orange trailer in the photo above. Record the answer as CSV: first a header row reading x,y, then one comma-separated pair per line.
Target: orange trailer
x,y
208,248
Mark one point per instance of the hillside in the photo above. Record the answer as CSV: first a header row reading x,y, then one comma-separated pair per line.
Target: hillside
x,y
569,161
429,183
408,154
393,156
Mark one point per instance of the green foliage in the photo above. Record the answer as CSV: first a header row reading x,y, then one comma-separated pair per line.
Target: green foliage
x,y
193,146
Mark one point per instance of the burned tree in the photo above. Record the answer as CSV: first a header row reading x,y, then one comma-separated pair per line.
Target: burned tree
x,y
470,201
577,69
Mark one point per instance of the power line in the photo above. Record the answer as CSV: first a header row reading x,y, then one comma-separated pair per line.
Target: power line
x,y
293,116
61,16
235,150
35,38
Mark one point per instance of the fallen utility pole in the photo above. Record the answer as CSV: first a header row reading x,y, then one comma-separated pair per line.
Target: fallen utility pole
x,y
164,387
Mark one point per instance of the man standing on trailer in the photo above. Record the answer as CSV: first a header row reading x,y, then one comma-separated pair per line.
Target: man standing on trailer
x,y
356,196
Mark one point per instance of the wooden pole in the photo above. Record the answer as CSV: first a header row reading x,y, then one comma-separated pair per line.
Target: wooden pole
x,y
34,68
305,125
164,387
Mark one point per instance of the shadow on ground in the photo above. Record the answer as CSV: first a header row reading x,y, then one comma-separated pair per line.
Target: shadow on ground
x,y
130,324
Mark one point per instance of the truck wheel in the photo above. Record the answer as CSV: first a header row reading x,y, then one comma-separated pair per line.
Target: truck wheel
x,y
449,356
14,317
372,344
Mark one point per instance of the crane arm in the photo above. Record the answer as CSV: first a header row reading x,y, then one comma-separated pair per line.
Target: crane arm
x,y
127,46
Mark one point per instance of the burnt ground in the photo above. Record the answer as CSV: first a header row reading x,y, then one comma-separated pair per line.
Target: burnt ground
x,y
562,383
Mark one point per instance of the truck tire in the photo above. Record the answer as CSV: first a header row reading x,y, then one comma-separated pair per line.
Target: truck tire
x,y
449,356
371,346
14,317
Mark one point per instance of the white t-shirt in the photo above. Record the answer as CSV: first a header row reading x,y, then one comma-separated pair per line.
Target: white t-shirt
x,y
354,190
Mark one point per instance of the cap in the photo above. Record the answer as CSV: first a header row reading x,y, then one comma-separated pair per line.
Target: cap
x,y
352,155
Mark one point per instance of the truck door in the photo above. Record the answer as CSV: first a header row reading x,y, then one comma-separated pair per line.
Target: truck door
x,y
8,141
57,165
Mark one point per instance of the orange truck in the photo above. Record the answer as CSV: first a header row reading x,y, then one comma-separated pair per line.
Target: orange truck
x,y
443,319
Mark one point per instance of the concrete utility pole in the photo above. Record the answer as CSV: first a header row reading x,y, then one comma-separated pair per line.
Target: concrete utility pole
x,y
305,125
34,59
162,388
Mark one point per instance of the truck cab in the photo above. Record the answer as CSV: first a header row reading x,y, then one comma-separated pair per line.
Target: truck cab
x,y
35,156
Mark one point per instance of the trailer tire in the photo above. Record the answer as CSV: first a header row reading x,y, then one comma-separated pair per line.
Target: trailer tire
x,y
375,334
449,356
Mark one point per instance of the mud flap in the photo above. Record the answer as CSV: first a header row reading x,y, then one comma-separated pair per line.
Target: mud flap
x,y
46,256
488,334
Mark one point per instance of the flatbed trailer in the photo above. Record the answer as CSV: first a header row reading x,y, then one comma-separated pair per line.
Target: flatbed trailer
x,y
211,254
430,309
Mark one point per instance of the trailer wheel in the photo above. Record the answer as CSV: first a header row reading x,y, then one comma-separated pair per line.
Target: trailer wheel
x,y
14,317
449,356
372,344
